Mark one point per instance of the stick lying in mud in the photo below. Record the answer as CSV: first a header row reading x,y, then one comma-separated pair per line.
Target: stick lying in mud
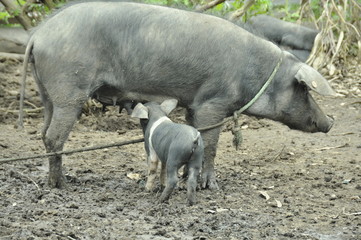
x,y
17,173
68,152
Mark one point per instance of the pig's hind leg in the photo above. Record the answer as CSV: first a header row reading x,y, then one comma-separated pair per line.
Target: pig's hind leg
x,y
62,121
172,178
62,109
48,107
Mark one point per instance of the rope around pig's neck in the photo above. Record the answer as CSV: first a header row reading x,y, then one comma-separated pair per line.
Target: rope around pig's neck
x,y
237,135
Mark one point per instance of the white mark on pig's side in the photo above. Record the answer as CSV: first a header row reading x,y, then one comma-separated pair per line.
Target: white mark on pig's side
x,y
152,153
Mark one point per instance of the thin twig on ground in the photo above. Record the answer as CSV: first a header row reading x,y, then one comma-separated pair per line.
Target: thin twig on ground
x,y
278,154
23,175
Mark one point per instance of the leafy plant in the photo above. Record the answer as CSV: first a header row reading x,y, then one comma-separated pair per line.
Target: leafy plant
x,y
4,16
28,13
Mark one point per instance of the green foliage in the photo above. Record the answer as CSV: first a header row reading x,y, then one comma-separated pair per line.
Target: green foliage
x,y
259,7
316,7
289,11
157,2
36,10
180,3
4,16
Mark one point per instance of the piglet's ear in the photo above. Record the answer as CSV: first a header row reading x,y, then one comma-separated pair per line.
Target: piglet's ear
x,y
314,80
140,111
168,105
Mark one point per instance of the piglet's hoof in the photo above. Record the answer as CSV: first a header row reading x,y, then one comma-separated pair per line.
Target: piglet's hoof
x,y
149,186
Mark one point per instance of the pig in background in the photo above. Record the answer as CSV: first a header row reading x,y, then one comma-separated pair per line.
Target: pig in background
x,y
294,38
173,144
137,52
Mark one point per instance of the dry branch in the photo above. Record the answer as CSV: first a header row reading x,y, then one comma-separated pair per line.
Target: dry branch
x,y
208,5
240,12
338,35
36,110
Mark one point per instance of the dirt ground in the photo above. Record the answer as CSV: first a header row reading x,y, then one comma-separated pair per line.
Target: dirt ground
x,y
281,184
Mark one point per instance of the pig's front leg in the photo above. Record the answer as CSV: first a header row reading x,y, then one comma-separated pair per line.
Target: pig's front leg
x,y
201,116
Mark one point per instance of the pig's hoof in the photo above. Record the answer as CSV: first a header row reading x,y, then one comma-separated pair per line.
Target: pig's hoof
x,y
209,181
191,202
163,200
57,182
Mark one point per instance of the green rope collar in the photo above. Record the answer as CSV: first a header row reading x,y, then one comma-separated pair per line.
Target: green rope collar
x,y
264,87
237,139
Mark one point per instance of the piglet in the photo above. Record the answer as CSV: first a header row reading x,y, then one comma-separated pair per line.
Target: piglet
x,y
173,144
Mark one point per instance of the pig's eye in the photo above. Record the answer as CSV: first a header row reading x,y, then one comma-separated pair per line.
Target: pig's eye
x,y
304,87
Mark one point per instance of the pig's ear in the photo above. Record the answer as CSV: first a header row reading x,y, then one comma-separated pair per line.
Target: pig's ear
x,y
168,105
314,80
140,111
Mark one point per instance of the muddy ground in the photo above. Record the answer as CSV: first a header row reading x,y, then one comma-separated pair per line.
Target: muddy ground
x,y
281,184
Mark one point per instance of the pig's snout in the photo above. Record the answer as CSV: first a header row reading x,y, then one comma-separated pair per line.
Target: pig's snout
x,y
331,121
327,124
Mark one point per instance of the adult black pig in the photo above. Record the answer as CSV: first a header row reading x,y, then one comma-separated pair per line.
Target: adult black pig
x,y
122,52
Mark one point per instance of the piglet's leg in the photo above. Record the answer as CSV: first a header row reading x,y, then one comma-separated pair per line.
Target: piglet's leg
x,y
172,179
163,174
191,186
152,171
194,166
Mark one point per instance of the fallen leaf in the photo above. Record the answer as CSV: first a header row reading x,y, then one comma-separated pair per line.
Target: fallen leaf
x,y
133,176
332,69
265,195
278,203
346,181
211,211
219,210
